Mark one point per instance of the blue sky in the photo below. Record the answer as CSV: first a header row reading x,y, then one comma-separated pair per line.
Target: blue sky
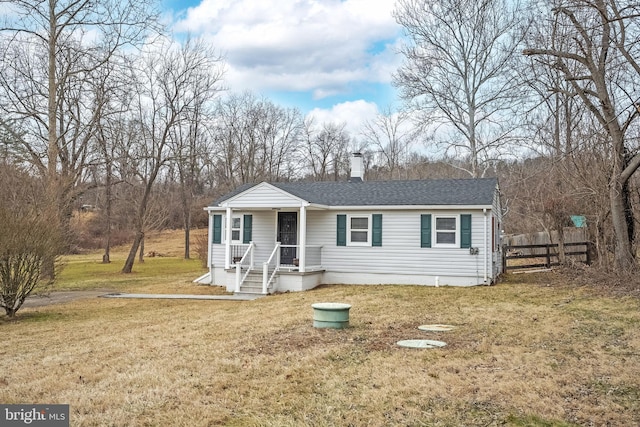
x,y
332,59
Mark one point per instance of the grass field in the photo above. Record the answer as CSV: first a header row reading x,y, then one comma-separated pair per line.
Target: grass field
x,y
527,352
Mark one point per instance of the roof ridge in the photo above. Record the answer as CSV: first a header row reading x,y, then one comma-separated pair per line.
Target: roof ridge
x,y
439,191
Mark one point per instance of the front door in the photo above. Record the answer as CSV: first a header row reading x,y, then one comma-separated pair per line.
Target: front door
x,y
287,236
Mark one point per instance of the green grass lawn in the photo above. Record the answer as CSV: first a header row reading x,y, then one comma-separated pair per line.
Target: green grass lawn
x,y
87,272
522,354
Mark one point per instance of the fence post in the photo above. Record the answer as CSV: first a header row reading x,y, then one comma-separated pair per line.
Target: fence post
x,y
504,259
548,256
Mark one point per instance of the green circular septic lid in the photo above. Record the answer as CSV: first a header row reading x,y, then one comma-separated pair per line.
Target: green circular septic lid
x,y
436,328
331,306
421,343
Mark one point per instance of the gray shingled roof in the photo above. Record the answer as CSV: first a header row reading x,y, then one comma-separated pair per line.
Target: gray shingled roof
x,y
387,193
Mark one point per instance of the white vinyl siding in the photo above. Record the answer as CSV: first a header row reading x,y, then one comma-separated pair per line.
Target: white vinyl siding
x,y
401,252
264,196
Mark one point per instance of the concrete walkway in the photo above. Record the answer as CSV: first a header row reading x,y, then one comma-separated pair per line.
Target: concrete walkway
x,y
244,297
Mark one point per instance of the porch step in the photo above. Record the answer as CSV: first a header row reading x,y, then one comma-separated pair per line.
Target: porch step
x,y
249,290
252,285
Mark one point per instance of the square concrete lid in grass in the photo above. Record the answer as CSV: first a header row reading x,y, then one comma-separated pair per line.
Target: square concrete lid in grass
x,y
436,328
421,343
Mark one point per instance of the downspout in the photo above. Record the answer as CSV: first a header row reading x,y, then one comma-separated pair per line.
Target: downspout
x,y
302,256
227,243
486,248
209,246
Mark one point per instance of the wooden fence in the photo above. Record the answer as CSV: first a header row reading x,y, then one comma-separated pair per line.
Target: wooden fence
x,y
547,251
569,235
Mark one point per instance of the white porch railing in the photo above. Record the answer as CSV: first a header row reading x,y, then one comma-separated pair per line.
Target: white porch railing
x,y
239,278
271,267
266,278
237,252
312,259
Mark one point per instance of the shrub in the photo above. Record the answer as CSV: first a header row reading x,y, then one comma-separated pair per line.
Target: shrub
x,y
29,248
201,246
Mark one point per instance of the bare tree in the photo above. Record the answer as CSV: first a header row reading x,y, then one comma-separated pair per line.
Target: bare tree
x,y
326,149
28,242
596,46
166,96
390,136
459,71
112,137
189,144
255,140
50,50
556,113
279,133
189,136
29,238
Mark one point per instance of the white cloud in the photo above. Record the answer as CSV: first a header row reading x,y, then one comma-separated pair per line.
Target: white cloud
x,y
316,45
352,113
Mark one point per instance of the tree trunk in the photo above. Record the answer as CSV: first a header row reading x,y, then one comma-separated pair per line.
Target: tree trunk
x,y
106,258
128,264
187,238
624,259
53,190
52,151
186,212
618,193
473,143
141,253
139,239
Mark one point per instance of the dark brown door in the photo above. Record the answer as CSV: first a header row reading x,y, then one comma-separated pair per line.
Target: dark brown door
x,y
287,235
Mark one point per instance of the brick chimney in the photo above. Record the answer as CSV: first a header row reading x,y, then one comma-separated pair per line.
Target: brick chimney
x,y
357,168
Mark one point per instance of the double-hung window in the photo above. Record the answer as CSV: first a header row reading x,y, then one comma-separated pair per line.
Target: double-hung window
x,y
359,232
236,229
446,231
241,226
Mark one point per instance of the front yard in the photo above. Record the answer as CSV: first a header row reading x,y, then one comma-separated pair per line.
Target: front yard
x,y
522,354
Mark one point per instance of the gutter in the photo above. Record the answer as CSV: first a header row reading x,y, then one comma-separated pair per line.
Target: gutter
x,y
315,206
486,248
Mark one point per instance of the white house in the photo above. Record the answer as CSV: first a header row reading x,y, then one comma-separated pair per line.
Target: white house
x,y
293,236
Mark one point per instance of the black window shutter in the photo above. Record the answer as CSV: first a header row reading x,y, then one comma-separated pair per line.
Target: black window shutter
x,y
217,229
425,231
247,227
465,230
376,227
342,230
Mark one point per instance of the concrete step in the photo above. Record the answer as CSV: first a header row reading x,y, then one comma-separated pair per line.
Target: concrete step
x,y
252,284
249,290
247,295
